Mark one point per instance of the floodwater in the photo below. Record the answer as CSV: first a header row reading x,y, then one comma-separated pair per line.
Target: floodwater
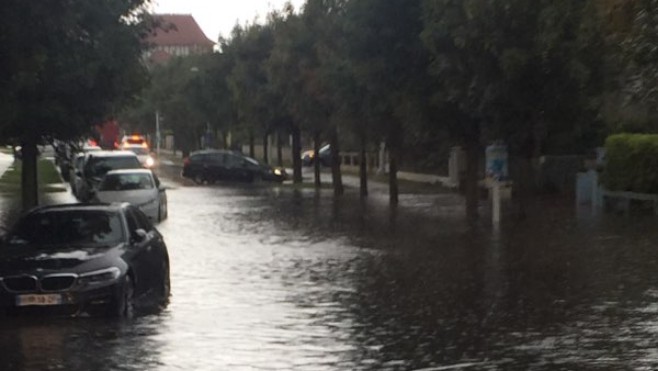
x,y
271,278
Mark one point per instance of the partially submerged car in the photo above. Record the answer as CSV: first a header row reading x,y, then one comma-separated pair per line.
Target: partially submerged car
x,y
210,166
143,154
139,187
97,164
75,174
324,155
75,259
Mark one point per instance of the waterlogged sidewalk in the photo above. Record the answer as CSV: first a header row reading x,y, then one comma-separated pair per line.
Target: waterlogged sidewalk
x,y
5,162
51,191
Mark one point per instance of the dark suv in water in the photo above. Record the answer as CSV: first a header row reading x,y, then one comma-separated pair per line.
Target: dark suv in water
x,y
210,166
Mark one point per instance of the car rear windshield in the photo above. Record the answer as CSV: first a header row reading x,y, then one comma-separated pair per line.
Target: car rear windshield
x,y
99,166
126,182
75,227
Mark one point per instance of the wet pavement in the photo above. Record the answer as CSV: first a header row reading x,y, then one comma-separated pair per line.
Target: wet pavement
x,y
274,278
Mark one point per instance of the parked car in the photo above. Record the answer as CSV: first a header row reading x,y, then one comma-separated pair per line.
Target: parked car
x,y
97,164
74,259
133,140
75,173
309,157
91,148
139,187
143,154
63,159
220,165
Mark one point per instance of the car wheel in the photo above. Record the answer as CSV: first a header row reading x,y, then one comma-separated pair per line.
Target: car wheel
x,y
124,304
162,211
165,289
199,178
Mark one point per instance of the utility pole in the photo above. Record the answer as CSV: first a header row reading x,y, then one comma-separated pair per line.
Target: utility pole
x,y
157,132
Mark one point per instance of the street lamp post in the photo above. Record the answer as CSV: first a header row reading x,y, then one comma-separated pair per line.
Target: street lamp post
x,y
157,132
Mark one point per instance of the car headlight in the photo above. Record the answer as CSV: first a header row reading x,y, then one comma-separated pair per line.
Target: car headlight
x,y
149,161
278,172
99,276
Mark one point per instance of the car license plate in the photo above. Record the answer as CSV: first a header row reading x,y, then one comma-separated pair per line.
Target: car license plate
x,y
34,299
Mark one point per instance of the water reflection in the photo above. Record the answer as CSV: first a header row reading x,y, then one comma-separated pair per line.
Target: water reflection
x,y
83,344
274,278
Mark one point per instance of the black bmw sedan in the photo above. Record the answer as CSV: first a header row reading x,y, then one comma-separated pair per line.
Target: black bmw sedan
x,y
83,259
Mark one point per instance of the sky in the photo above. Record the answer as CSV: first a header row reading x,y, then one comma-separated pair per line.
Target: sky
x,y
219,16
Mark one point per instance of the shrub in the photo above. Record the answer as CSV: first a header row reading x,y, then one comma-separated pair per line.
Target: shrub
x,y
631,163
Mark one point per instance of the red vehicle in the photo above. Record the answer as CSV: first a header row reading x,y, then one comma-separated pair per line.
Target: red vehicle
x,y
109,132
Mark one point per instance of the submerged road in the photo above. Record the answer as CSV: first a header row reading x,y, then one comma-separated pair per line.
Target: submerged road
x,y
272,278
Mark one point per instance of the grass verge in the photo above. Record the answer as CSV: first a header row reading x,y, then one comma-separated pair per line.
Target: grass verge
x,y
411,187
49,179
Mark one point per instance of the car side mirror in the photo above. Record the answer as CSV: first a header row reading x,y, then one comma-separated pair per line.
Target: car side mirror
x,y
140,235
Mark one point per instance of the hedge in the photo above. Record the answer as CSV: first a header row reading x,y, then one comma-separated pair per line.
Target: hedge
x,y
631,163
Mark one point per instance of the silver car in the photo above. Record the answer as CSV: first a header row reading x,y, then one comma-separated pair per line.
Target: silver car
x,y
139,187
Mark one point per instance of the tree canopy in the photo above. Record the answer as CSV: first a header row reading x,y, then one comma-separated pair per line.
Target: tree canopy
x,y
427,74
66,68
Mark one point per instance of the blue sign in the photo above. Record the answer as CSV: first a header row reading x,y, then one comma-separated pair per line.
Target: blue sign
x,y
497,162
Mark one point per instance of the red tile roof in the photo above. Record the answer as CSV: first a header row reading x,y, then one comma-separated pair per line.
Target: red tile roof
x,y
178,29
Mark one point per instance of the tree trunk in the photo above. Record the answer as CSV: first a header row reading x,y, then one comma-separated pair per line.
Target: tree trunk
x,y
393,190
336,176
363,168
471,186
279,149
225,139
29,180
266,149
316,160
296,154
252,145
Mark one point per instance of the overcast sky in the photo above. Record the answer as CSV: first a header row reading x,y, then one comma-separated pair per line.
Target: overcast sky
x,y
219,16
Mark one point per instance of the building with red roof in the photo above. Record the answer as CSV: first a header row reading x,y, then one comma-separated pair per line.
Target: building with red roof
x,y
176,35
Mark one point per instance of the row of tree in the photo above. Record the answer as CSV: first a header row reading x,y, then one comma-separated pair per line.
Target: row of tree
x,y
542,75
533,73
65,68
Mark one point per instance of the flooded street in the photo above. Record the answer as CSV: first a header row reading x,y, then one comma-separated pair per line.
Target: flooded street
x,y
272,278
